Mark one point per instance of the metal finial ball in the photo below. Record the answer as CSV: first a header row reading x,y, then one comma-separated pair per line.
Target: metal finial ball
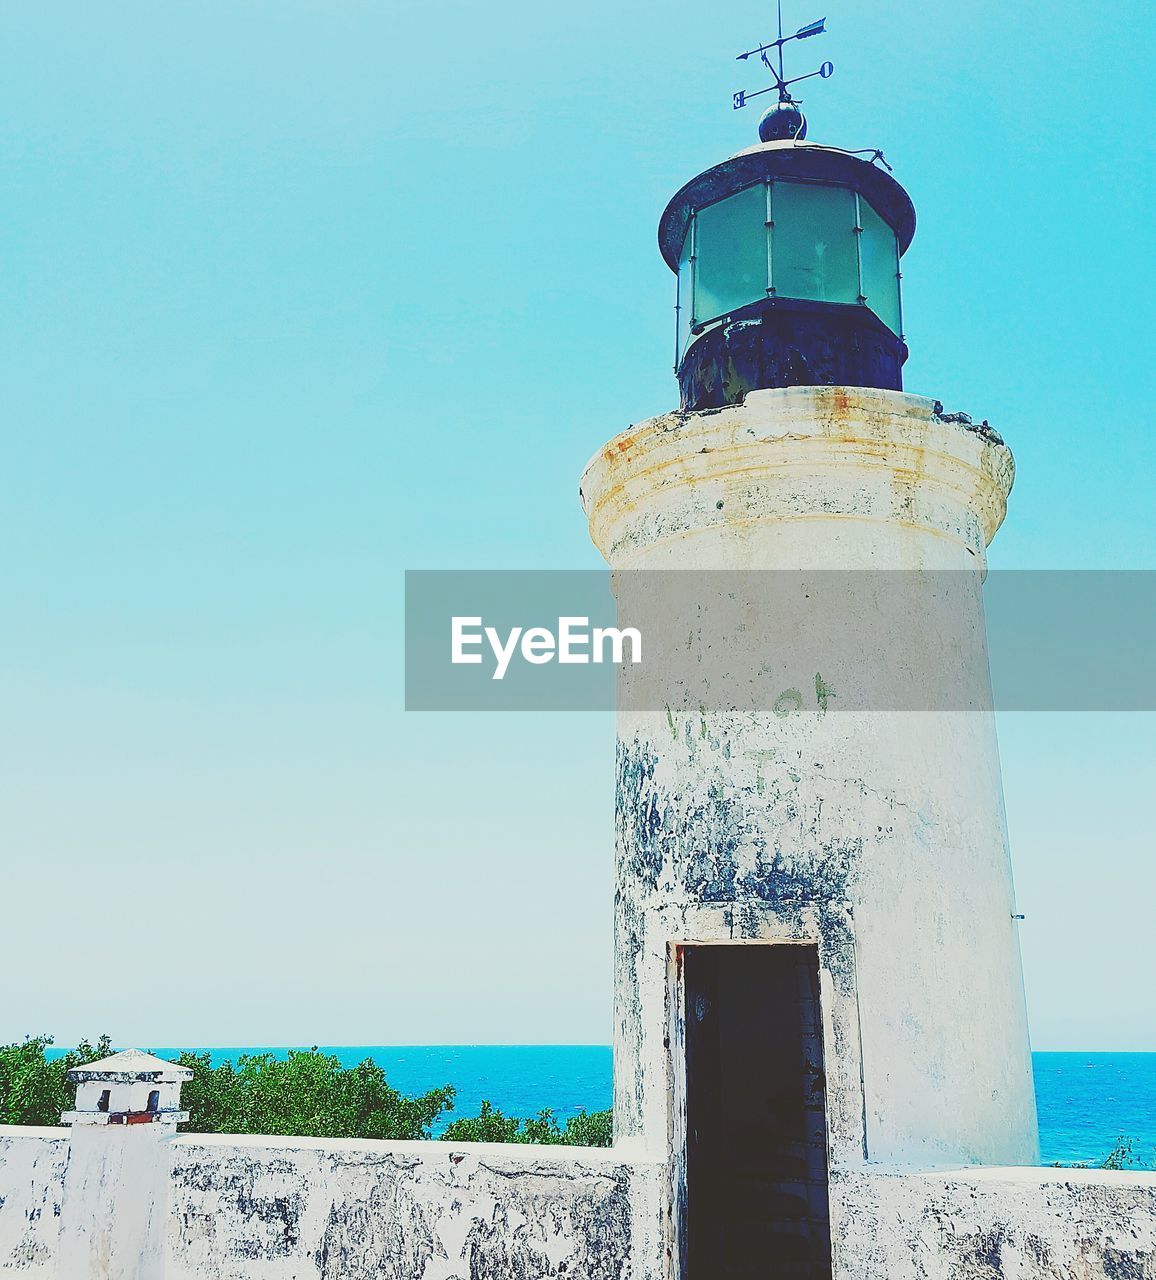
x,y
783,121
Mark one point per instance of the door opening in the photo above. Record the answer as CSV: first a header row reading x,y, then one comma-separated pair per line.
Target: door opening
x,y
756,1132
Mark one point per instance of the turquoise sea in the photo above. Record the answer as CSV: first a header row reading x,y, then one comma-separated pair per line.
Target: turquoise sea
x,y
1086,1101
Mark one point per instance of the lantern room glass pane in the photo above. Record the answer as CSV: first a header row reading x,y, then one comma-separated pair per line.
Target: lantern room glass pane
x,y
685,289
813,251
879,252
730,251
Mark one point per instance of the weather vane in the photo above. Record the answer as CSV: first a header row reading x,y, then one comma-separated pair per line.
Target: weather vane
x,y
784,120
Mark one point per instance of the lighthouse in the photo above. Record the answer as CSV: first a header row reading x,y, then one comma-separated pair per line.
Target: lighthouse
x,y
817,963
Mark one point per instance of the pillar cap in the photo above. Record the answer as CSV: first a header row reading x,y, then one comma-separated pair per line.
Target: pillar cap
x,y
118,1091
131,1066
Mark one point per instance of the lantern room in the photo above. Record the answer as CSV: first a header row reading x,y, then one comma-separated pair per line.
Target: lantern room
x,y
787,258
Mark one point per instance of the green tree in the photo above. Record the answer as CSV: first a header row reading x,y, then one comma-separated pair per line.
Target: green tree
x,y
307,1094
34,1089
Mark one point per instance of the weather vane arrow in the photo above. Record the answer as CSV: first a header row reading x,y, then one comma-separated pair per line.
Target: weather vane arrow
x,y
769,54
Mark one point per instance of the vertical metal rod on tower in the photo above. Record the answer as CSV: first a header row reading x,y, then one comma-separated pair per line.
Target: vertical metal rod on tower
x,y
781,72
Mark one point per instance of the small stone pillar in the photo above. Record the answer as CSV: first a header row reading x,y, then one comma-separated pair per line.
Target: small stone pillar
x,y
114,1214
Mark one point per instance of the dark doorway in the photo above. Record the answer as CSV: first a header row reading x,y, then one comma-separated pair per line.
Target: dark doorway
x,y
756,1144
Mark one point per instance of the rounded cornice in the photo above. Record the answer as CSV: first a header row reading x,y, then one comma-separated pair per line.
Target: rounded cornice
x,y
794,453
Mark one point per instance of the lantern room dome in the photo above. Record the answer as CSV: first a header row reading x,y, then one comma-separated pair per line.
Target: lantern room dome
x,y
786,159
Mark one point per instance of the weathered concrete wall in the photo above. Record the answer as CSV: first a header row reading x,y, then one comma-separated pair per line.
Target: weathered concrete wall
x,y
994,1224
877,835
308,1209
287,1209
31,1189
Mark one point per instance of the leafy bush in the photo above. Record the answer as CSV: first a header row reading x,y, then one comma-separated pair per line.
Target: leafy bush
x,y
1122,1156
308,1094
590,1129
586,1129
489,1126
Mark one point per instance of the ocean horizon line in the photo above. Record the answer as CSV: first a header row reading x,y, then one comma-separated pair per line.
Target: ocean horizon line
x,y
1087,1100
283,1046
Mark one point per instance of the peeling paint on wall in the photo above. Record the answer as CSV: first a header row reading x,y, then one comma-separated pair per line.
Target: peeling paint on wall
x,y
995,1224
362,1210
32,1162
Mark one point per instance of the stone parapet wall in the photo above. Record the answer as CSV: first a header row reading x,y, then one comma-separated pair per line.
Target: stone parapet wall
x,y
313,1209
283,1209
303,1208
32,1163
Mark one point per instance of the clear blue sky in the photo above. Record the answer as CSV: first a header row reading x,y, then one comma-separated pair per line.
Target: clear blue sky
x,y
294,296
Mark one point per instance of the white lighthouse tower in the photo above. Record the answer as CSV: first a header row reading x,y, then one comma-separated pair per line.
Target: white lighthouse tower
x,y
817,962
